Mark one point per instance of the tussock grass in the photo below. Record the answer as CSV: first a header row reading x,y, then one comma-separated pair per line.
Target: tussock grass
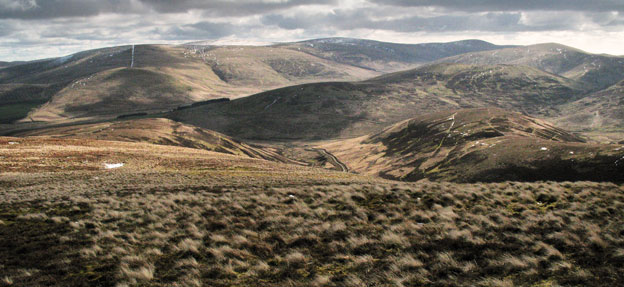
x,y
276,227
434,234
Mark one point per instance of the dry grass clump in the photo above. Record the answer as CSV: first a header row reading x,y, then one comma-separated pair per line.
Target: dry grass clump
x,y
197,228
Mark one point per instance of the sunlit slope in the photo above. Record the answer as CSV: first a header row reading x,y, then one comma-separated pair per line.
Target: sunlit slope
x,y
595,71
164,132
479,145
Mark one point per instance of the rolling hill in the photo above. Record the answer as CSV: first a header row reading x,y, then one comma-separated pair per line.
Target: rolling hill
x,y
162,77
383,56
479,145
596,72
164,132
347,109
599,114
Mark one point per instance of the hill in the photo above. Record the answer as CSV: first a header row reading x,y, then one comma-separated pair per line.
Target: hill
x,y
479,145
189,217
347,109
4,64
600,110
162,77
599,114
383,56
163,132
597,72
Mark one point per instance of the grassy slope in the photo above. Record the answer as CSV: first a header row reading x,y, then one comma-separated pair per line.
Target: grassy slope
x,y
115,92
385,57
479,145
164,132
326,110
595,71
598,112
187,73
179,216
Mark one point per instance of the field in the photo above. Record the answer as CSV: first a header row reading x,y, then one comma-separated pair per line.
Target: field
x,y
175,216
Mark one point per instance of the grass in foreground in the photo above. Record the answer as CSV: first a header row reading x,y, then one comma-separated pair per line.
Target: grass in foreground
x,y
275,227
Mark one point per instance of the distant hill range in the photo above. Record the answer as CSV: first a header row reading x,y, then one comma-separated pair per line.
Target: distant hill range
x,y
386,57
596,72
100,83
315,89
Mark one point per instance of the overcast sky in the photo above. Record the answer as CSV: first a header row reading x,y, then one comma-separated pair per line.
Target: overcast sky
x,y
33,29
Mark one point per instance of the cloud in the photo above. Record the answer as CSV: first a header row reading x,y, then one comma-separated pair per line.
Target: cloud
x,y
44,28
511,5
200,30
484,21
47,9
17,5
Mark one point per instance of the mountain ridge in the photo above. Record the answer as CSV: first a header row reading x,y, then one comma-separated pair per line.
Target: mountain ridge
x,y
348,109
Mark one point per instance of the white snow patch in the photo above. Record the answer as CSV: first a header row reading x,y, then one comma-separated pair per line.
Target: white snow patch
x,y
544,148
113,165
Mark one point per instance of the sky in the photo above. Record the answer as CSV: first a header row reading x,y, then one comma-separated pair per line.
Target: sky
x,y
35,29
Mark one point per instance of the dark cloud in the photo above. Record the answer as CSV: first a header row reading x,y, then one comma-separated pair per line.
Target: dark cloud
x,y
27,26
62,8
45,9
362,19
229,7
511,5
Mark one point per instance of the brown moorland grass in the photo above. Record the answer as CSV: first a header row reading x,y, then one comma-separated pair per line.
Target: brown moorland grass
x,y
164,219
165,132
479,145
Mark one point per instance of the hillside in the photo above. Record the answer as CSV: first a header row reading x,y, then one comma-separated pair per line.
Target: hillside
x,y
479,145
162,77
83,84
600,110
385,57
4,64
188,217
597,72
599,115
163,132
347,109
